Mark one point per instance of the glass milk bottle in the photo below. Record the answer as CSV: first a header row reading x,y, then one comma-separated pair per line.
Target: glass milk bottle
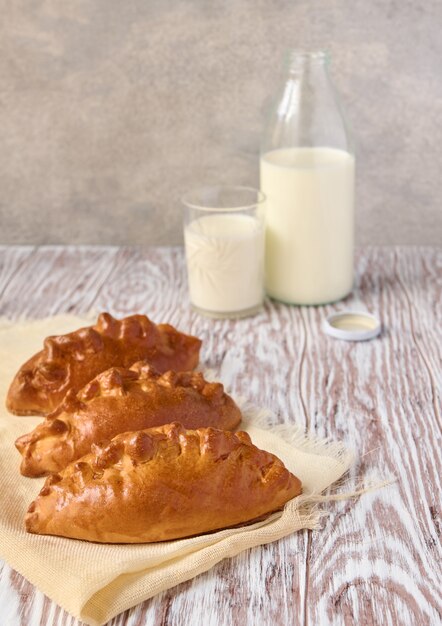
x,y
307,173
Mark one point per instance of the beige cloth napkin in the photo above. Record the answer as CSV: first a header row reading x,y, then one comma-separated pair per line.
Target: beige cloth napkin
x,y
95,582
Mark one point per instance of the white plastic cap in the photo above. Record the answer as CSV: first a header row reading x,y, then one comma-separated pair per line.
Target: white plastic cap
x,y
352,326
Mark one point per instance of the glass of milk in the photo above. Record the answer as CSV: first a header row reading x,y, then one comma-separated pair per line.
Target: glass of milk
x,y
224,244
307,171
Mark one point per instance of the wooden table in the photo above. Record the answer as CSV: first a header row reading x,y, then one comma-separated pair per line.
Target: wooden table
x,y
378,558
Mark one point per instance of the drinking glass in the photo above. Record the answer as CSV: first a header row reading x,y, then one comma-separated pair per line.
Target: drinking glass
x,y
224,244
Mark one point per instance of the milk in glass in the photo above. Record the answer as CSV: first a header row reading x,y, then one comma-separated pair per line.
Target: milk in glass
x,y
225,258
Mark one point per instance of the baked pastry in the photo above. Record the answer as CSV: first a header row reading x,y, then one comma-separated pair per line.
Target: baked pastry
x,y
120,400
162,483
70,361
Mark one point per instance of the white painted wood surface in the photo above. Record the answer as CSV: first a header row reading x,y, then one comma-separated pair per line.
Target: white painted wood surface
x,y
378,558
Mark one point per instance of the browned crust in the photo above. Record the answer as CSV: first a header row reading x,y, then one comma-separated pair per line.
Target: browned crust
x,y
161,484
120,400
68,362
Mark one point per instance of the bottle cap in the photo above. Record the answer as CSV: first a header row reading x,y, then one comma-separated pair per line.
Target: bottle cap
x,y
352,325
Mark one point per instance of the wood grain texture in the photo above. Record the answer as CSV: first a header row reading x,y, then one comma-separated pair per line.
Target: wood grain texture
x,y
378,558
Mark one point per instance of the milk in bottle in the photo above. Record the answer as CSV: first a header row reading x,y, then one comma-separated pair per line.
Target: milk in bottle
x,y
307,174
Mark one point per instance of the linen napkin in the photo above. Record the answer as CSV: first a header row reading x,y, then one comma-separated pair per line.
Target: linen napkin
x,y
94,582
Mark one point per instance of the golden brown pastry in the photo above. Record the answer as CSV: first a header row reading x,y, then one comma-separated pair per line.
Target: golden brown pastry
x,y
162,483
120,400
70,361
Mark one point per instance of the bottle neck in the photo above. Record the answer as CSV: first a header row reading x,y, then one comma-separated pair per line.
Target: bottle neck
x,y
298,61
307,112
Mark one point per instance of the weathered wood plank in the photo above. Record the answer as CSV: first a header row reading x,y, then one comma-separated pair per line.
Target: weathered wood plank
x,y
11,258
383,561
422,287
55,279
377,559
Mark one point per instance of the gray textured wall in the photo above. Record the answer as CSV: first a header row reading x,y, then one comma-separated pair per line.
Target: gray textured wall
x,y
109,109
